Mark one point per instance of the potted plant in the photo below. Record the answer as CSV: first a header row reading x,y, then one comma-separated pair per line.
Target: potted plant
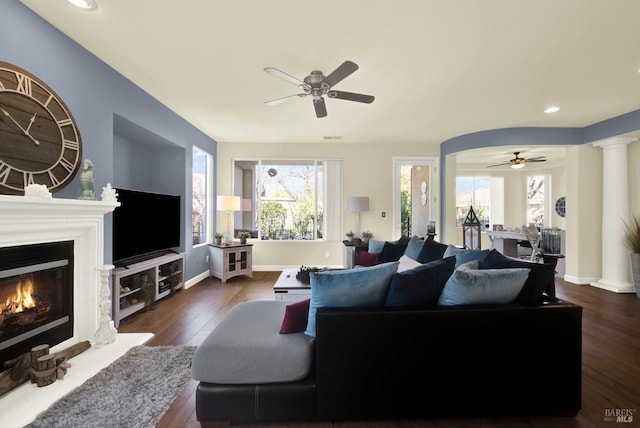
x,y
243,236
366,235
350,236
219,237
632,241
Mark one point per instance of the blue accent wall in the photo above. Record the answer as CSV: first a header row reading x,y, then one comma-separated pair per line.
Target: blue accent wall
x,y
133,140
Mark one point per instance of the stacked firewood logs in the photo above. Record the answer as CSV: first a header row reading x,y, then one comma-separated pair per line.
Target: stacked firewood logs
x,y
39,366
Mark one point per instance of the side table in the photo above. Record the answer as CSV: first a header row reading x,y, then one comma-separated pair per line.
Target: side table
x,y
227,261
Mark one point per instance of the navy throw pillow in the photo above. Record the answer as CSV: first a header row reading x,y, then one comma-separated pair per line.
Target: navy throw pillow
x,y
420,286
541,278
431,250
391,252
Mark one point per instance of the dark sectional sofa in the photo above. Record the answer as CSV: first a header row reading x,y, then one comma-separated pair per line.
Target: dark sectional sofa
x,y
406,363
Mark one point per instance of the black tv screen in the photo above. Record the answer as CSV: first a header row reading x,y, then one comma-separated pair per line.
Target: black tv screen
x,y
144,224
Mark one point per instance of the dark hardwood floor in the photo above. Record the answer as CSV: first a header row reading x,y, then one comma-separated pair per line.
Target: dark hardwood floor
x,y
610,349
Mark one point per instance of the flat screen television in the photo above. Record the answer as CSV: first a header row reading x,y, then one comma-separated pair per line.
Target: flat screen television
x,y
144,225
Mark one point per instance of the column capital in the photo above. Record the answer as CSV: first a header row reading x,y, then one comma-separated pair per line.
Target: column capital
x,y
614,142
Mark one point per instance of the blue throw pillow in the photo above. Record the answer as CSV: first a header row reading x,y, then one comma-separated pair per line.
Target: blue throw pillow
x,y
541,278
431,250
464,255
420,286
366,286
375,246
489,286
414,247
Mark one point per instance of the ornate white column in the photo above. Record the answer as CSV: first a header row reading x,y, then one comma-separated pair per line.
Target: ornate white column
x,y
106,332
615,210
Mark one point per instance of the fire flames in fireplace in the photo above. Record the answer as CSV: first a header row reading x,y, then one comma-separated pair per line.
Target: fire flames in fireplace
x,y
23,307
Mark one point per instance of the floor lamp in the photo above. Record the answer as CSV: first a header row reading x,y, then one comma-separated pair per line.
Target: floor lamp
x,y
229,204
357,204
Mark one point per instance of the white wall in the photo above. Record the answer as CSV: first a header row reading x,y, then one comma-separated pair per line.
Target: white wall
x,y
367,171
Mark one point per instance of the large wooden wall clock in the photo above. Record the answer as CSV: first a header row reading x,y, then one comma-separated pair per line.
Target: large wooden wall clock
x,y
39,139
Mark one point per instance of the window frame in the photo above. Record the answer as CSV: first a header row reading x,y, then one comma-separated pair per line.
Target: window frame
x,y
331,185
208,196
496,198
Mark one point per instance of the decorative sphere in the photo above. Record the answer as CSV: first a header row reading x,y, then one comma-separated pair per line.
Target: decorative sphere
x,y
272,172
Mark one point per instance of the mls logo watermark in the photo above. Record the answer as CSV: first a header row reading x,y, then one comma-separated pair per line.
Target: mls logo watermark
x,y
619,415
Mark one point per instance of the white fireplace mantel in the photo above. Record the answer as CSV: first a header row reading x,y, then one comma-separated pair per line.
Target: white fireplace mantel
x,y
32,220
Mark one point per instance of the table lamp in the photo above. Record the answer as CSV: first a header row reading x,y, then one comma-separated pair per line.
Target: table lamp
x,y
357,204
229,204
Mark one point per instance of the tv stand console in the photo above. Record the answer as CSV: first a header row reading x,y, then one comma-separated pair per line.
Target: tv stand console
x,y
161,275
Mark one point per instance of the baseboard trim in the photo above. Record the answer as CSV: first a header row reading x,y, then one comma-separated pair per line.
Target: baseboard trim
x,y
616,288
196,279
578,280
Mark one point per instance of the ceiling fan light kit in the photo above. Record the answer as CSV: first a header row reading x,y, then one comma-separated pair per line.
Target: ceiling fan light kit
x,y
316,84
518,162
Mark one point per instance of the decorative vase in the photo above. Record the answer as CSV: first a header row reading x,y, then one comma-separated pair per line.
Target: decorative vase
x,y
635,267
218,241
243,240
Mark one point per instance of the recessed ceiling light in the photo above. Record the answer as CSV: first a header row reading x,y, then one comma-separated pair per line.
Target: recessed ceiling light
x,y
551,109
84,4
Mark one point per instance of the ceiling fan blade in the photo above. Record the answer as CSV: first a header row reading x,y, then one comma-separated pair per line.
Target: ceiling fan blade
x,y
284,99
499,164
284,76
320,106
350,96
337,75
536,159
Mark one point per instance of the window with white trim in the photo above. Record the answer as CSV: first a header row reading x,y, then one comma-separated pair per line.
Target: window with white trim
x,y
289,199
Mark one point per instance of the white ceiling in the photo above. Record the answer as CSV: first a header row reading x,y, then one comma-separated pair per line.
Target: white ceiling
x,y
438,68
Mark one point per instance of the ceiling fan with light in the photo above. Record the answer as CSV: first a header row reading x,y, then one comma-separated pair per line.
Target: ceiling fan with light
x,y
519,162
317,84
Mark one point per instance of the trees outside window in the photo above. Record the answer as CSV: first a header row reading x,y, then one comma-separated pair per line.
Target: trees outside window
x,y
202,162
535,199
288,198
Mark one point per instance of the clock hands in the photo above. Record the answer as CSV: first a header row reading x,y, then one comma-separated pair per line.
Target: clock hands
x,y
25,131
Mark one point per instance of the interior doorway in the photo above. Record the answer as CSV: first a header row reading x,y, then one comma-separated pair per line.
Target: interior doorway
x,y
415,195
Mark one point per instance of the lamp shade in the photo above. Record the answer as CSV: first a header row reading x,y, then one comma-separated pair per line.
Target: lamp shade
x,y
246,205
228,203
358,203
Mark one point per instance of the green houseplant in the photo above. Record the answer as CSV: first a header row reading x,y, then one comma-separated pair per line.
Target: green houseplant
x,y
219,236
350,235
243,236
632,241
366,235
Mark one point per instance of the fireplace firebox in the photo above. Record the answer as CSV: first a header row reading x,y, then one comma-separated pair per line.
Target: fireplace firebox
x,y
36,296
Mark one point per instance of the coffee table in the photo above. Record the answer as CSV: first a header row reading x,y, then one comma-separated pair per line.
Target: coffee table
x,y
288,288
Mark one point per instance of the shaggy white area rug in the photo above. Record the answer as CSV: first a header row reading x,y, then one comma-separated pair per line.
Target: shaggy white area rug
x,y
134,391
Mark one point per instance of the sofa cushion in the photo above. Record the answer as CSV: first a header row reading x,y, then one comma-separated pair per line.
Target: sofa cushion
x,y
365,258
431,250
375,246
489,286
366,286
414,247
392,251
420,286
295,317
541,278
406,263
246,348
464,255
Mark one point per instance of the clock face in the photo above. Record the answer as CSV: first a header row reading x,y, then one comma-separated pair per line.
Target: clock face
x,y
39,140
560,206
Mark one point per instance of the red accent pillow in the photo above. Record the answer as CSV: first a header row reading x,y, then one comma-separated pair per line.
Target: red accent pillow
x,y
296,316
365,258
